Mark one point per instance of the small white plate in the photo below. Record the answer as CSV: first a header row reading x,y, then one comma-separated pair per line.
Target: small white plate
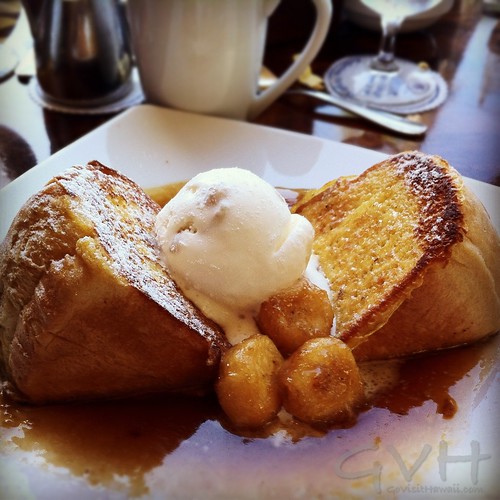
x,y
64,452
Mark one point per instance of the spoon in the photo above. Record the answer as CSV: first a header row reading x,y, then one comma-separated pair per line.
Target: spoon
x,y
384,119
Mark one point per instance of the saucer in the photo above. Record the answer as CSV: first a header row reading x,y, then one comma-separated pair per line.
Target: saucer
x,y
132,97
342,76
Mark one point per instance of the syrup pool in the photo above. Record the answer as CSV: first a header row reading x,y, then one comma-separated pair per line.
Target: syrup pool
x,y
183,447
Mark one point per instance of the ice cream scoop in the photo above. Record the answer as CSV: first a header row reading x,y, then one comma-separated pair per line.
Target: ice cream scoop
x,y
229,241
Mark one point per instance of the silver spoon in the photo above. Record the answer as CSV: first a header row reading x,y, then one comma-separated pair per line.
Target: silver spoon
x,y
388,120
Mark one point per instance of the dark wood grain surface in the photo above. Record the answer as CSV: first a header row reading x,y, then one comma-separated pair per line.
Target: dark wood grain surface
x,y
464,46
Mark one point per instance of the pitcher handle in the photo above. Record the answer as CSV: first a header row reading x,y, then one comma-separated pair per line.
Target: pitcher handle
x,y
314,44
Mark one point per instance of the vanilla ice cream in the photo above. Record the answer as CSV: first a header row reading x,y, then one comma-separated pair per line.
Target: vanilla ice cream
x,y
229,241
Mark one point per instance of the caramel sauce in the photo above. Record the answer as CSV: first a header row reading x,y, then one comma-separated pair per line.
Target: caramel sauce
x,y
429,378
163,194
101,441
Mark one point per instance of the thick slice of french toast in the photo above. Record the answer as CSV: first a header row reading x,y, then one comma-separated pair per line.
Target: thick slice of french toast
x,y
411,255
86,308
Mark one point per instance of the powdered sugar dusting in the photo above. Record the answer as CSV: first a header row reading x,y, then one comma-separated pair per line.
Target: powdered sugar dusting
x,y
121,217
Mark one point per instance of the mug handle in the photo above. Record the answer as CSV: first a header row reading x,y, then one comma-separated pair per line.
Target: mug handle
x,y
318,35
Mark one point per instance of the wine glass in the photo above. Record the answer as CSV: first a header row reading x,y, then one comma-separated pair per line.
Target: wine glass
x,y
384,81
9,13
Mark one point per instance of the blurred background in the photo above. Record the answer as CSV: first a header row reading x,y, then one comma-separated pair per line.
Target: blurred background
x,y
462,43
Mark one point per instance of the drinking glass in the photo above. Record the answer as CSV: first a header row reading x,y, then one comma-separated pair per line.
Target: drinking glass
x,y
384,81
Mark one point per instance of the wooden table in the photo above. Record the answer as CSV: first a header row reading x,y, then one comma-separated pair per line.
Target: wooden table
x,y
464,46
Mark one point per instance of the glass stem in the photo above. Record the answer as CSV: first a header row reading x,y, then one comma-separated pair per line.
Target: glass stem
x,y
385,60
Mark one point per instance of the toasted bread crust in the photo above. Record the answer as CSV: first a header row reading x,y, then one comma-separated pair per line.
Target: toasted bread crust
x,y
390,240
86,308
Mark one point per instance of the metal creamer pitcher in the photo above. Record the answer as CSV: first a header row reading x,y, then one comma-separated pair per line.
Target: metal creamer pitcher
x,y
81,48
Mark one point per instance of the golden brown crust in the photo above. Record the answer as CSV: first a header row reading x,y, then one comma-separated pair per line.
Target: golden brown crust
x,y
86,308
395,242
458,301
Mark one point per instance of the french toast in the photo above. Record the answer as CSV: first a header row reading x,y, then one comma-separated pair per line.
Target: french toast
x,y
87,311
411,255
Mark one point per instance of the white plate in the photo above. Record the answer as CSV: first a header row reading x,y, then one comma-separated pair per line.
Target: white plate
x,y
55,455
155,145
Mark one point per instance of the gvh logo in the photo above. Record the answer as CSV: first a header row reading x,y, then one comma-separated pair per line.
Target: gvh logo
x,y
444,459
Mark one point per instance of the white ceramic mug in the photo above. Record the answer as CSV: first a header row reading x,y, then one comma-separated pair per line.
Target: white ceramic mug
x,y
205,56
